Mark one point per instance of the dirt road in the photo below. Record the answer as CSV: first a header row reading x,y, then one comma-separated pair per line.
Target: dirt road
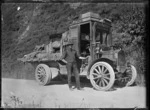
x,y
57,95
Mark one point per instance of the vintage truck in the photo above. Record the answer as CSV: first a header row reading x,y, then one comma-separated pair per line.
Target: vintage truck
x,y
91,37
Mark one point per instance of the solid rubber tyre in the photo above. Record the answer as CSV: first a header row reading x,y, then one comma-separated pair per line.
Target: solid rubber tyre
x,y
133,76
102,76
43,75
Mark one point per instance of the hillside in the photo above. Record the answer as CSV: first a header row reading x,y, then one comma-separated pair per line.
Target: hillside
x,y
33,23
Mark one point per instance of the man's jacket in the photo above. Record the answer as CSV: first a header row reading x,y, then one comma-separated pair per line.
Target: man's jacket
x,y
70,55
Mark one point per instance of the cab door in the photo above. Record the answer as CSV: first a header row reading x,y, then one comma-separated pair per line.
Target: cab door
x,y
93,42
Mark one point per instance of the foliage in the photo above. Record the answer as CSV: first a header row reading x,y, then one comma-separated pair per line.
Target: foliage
x,y
131,27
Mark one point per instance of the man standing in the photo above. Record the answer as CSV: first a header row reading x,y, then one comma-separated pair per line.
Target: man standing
x,y
70,56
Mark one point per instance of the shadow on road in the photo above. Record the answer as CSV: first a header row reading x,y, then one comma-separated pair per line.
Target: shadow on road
x,y
61,80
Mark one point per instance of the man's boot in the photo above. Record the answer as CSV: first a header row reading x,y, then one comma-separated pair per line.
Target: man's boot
x,y
79,88
70,88
78,83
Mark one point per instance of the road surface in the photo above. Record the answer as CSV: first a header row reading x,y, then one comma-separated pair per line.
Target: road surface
x,y
57,95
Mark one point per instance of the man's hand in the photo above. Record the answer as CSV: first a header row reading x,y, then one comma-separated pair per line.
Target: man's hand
x,y
63,60
82,58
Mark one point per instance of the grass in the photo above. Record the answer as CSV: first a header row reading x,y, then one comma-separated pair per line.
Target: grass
x,y
16,102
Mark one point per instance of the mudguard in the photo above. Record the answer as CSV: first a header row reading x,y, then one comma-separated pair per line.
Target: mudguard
x,y
101,59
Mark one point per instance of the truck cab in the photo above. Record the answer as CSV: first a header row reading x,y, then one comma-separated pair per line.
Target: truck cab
x,y
89,31
91,36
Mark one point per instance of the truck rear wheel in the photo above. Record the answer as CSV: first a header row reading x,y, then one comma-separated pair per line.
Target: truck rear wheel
x,y
43,74
102,76
132,74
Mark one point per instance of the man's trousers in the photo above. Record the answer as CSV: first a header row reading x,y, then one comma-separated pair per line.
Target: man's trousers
x,y
72,67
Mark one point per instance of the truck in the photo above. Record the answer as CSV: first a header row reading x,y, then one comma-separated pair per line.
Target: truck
x,y
92,38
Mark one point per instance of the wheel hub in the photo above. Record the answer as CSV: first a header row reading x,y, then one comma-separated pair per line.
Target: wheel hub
x,y
100,75
43,74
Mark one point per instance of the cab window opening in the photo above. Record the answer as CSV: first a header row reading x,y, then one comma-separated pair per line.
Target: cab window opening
x,y
101,37
85,39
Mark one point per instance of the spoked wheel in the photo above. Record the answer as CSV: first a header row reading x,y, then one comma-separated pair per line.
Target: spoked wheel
x,y
102,76
43,74
131,75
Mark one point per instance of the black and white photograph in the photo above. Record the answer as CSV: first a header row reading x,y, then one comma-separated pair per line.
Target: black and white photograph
x,y
73,54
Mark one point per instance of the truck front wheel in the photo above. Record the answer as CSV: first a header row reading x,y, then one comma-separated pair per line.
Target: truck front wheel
x,y
102,76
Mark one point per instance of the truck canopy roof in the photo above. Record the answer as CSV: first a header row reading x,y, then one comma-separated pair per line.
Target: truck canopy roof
x,y
90,16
